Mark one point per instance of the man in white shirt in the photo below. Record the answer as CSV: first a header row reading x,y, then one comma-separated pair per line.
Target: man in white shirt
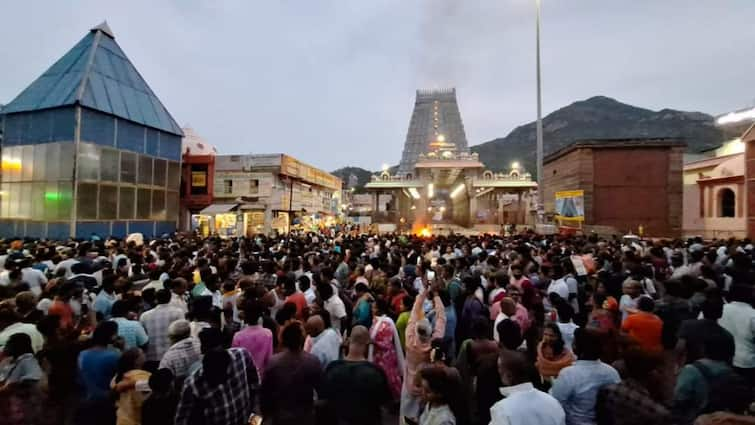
x,y
325,344
65,265
739,319
577,386
522,403
333,305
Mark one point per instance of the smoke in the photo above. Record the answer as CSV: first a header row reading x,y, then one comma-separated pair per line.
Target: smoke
x,y
456,38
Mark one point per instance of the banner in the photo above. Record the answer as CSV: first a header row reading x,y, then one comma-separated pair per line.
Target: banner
x,y
570,205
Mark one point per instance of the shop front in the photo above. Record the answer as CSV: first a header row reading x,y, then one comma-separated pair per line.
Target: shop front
x,y
218,219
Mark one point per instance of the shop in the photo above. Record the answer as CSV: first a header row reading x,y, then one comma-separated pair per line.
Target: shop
x,y
218,219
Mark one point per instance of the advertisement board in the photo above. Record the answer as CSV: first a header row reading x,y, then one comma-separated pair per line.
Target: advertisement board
x,y
570,205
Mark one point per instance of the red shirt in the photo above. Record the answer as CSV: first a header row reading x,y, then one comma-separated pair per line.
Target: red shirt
x,y
62,310
301,303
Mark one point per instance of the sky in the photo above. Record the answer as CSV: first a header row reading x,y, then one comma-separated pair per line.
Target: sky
x,y
333,82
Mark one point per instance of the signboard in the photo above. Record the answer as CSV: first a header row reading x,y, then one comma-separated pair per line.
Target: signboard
x,y
570,205
199,178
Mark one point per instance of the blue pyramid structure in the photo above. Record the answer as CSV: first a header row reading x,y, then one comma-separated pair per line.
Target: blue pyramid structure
x,y
96,74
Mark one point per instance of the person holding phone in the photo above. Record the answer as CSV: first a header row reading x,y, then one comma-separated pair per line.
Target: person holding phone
x,y
419,336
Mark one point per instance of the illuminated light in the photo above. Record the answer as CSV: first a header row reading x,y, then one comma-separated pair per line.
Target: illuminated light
x,y
414,192
53,196
515,165
442,209
11,164
414,207
738,116
385,167
429,209
441,138
457,190
430,190
424,232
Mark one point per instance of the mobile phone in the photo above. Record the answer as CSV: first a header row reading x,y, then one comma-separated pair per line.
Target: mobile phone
x,y
430,275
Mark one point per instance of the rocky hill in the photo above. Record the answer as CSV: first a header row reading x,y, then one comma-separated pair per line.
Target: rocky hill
x,y
598,117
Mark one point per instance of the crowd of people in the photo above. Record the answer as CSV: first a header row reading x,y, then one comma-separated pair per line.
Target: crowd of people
x,y
355,329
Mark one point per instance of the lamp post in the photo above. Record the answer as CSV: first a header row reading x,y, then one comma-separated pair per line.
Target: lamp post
x,y
539,125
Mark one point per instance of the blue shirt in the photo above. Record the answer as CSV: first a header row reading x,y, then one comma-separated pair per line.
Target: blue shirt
x,y
97,368
577,386
104,303
132,332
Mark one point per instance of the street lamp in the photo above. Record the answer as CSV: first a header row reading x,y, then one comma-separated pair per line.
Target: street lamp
x,y
539,126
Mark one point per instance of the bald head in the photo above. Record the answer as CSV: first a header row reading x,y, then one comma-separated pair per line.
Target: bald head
x,y
360,335
314,326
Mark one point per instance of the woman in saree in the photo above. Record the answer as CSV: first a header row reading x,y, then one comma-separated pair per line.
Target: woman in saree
x,y
386,351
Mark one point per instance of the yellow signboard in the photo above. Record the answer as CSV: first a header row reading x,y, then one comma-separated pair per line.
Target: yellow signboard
x,y
570,205
198,178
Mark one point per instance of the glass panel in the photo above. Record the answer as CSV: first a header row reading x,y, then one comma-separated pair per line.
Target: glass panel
x,y
128,167
86,206
5,195
89,162
51,200
145,170
24,197
64,200
38,201
52,161
109,165
143,204
174,175
172,206
108,202
66,161
40,162
27,161
160,172
12,164
13,199
126,203
158,205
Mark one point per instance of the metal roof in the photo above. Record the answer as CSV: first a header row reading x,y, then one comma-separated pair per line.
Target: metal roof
x,y
97,74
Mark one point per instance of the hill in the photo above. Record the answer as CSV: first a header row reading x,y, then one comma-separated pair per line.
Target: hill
x,y
362,175
598,117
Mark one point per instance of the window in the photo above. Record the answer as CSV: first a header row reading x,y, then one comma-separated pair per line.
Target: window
x,y
254,187
128,167
126,203
89,162
227,186
727,203
158,205
108,202
174,175
145,170
87,201
161,172
143,198
109,165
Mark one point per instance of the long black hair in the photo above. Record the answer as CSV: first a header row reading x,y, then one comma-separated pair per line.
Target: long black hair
x,y
127,362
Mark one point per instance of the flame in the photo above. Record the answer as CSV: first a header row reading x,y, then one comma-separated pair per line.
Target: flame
x,y
424,232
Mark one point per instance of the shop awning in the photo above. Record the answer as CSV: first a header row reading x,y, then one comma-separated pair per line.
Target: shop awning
x,y
218,209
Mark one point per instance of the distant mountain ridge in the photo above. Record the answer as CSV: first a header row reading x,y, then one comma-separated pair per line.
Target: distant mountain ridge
x,y
598,117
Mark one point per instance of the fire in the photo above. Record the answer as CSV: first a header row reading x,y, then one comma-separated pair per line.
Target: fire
x,y
424,232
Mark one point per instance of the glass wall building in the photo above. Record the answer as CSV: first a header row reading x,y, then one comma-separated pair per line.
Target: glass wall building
x,y
89,149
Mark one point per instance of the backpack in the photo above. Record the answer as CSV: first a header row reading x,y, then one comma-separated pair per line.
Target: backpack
x,y
727,392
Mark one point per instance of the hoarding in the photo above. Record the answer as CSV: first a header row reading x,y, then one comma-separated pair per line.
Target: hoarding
x,y
570,205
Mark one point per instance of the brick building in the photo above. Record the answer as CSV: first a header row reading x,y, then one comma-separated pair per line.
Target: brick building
x,y
627,183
